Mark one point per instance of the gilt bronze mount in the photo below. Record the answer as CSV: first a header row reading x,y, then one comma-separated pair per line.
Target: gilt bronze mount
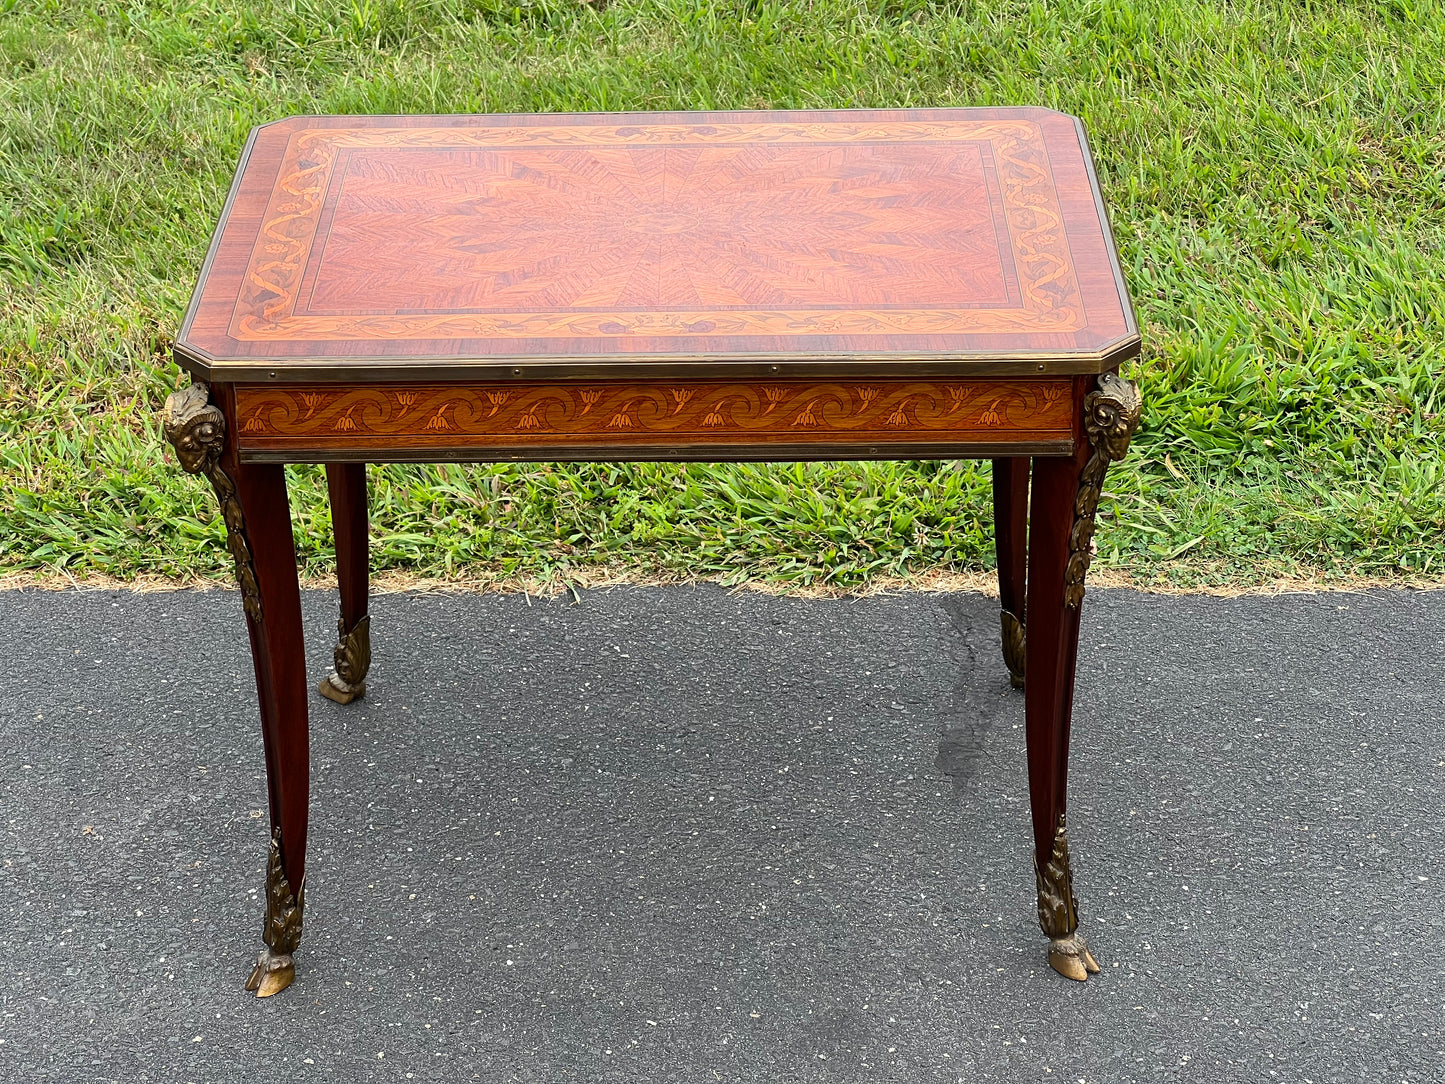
x,y
353,659
1013,647
1069,953
275,969
196,429
1111,414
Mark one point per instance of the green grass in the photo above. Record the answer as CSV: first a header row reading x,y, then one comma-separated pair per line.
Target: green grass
x,y
1276,171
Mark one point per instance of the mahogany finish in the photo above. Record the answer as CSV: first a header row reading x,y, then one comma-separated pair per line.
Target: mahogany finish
x,y
1053,641
785,285
277,647
346,488
1010,520
1010,524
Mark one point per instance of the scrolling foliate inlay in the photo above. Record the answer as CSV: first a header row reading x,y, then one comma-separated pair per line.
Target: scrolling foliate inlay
x,y
1111,414
197,430
279,284
711,412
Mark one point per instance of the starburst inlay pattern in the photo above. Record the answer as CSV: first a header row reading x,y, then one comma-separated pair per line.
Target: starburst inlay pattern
x,y
647,229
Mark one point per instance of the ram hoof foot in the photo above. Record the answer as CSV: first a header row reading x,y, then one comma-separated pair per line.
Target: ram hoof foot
x,y
333,688
272,974
1071,958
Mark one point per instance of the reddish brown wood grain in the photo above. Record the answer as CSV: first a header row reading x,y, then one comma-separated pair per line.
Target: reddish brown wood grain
x,y
868,234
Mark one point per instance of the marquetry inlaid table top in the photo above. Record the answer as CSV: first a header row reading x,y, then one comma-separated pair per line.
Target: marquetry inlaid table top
x,y
864,284
539,247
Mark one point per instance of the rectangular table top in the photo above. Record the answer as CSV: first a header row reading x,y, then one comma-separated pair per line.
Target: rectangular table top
x,y
818,244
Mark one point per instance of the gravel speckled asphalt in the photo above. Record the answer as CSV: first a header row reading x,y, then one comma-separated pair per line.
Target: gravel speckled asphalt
x,y
684,835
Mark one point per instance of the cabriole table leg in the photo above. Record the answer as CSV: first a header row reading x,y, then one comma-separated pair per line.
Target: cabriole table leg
x,y
1010,527
346,486
258,533
1064,501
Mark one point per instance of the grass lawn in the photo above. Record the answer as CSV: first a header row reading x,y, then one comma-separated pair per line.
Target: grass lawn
x,y
1275,169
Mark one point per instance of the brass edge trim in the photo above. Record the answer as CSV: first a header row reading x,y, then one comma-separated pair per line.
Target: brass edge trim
x,y
429,368
1127,349
643,453
454,120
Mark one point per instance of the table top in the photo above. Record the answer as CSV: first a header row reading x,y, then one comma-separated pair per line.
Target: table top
x,y
847,243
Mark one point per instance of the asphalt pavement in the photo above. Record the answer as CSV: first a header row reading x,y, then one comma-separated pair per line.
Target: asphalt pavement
x,y
678,834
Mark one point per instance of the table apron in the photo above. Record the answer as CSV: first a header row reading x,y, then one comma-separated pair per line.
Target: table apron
x,y
672,420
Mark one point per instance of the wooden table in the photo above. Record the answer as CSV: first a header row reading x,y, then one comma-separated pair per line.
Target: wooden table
x,y
867,284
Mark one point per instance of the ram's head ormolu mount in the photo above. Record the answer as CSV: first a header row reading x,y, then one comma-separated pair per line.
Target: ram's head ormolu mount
x,y
195,427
